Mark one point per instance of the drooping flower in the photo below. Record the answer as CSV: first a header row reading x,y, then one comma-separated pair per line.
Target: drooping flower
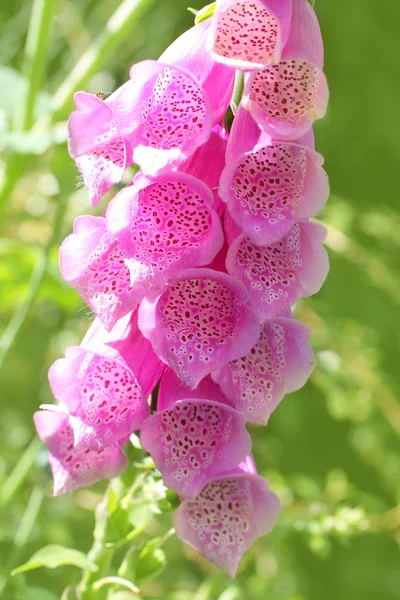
x,y
249,34
279,363
164,114
228,515
200,322
268,185
286,98
95,143
163,225
91,261
101,393
74,467
278,275
193,440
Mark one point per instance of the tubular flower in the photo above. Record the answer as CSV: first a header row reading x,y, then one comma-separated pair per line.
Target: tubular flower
x,y
194,268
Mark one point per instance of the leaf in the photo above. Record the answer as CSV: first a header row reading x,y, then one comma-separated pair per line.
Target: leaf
x,y
54,556
205,13
35,593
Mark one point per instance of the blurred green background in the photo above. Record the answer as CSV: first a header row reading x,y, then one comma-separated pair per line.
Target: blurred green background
x,y
331,451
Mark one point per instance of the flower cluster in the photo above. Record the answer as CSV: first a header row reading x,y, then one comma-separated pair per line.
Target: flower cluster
x,y
194,267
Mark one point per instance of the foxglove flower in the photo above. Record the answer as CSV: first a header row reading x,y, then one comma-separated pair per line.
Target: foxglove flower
x,y
163,225
279,363
217,80
228,515
193,440
269,185
198,323
74,467
102,394
95,143
164,114
249,34
278,275
92,262
286,98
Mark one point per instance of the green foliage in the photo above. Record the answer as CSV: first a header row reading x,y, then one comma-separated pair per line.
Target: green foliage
x,y
330,451
54,556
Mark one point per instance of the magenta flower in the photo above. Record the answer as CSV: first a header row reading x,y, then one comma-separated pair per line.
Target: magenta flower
x,y
193,440
228,515
100,152
101,393
199,323
75,467
173,389
91,261
286,98
249,34
270,185
163,225
278,275
279,363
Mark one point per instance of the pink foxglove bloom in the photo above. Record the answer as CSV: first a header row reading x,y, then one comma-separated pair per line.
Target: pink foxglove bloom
x,y
173,389
228,515
280,362
163,225
91,261
193,440
268,185
278,275
199,323
101,393
74,467
217,80
286,98
97,146
249,34
164,114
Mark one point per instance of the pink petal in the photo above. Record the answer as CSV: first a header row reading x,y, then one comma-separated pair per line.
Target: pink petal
x,y
163,225
96,145
193,441
75,467
102,393
226,518
199,323
172,389
249,34
280,362
164,114
276,276
216,79
271,185
91,261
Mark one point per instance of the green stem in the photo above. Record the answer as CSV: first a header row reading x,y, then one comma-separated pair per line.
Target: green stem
x,y
238,88
17,322
35,60
20,472
114,33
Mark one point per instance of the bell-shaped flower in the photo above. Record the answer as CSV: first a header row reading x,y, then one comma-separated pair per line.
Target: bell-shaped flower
x,y
228,515
101,393
249,34
268,185
217,80
278,275
199,322
74,467
280,362
125,341
194,440
100,152
164,114
163,225
173,389
286,98
91,261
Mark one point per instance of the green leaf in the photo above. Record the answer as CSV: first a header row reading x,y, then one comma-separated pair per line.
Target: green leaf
x,y
35,593
54,556
205,13
144,563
